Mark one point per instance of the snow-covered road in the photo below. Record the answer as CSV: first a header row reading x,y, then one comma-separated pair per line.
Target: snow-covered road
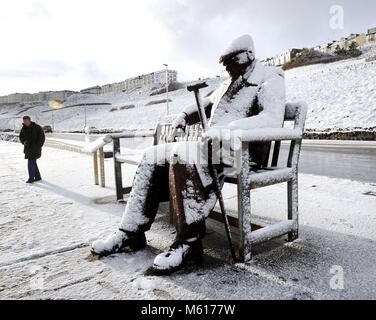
x,y
45,230
355,160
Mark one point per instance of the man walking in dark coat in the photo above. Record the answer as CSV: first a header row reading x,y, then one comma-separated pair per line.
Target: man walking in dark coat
x,y
32,137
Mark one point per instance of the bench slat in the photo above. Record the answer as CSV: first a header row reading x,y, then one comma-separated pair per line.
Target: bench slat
x,y
271,232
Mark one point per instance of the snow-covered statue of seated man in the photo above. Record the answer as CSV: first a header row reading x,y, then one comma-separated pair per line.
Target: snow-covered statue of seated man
x,y
252,97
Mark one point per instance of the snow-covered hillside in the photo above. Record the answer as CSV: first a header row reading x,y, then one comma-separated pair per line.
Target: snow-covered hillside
x,y
116,111
340,95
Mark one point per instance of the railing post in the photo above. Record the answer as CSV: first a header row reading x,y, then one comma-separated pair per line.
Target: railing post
x,y
101,161
95,160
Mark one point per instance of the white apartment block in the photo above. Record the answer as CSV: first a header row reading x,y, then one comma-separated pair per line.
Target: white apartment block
x,y
3,99
142,81
36,97
281,59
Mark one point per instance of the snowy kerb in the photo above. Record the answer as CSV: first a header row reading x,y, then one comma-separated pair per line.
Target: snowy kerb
x,y
46,229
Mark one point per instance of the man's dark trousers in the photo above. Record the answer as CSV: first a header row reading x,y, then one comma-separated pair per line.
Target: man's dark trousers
x,y
34,173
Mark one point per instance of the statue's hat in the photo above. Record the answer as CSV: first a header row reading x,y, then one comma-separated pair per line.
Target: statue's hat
x,y
236,46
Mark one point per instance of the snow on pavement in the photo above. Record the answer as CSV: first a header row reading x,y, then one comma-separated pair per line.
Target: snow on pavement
x,y
46,229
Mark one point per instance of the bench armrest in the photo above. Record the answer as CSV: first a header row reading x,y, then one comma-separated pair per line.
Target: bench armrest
x,y
101,142
270,134
132,134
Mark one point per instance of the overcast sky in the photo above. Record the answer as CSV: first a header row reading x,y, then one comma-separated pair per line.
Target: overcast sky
x,y
73,44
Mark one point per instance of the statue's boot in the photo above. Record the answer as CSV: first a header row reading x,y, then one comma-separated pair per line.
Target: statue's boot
x,y
177,257
118,241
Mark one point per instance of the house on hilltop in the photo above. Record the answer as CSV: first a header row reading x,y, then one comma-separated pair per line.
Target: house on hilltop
x,y
371,36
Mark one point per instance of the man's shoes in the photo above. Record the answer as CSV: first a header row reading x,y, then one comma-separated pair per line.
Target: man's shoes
x,y
34,180
179,255
121,239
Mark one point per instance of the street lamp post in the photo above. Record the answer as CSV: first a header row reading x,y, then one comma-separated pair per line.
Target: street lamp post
x,y
85,116
166,65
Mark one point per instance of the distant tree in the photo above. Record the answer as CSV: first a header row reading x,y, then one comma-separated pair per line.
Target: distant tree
x,y
311,54
339,51
354,49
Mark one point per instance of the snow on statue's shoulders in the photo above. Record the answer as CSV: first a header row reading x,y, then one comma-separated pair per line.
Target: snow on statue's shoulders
x,y
262,73
276,71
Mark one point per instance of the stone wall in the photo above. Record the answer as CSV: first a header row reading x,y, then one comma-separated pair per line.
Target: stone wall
x,y
352,135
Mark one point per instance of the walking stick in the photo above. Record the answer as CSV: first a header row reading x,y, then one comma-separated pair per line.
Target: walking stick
x,y
196,89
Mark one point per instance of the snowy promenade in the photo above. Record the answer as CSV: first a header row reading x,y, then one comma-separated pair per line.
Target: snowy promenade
x,y
46,229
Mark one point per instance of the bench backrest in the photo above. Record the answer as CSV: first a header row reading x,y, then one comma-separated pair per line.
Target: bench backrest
x,y
295,112
164,131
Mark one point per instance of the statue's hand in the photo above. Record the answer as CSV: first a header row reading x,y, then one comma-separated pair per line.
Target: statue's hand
x,y
218,133
179,124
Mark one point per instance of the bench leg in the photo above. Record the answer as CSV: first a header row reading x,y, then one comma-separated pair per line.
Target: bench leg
x,y
292,202
245,250
118,182
244,207
118,173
